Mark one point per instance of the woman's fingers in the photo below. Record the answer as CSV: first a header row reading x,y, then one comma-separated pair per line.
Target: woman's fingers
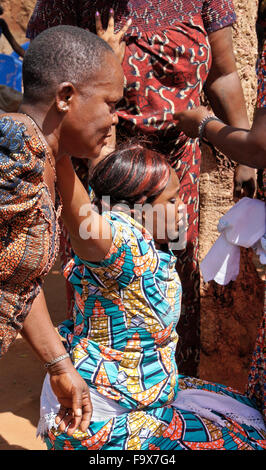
x,y
79,416
123,31
64,418
82,412
99,27
109,33
86,414
111,21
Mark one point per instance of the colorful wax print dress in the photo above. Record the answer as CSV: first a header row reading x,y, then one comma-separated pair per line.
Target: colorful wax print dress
x,y
166,64
122,341
29,229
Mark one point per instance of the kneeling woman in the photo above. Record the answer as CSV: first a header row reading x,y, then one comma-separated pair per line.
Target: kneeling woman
x,y
122,337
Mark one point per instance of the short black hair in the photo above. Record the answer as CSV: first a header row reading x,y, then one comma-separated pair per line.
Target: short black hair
x,y
61,54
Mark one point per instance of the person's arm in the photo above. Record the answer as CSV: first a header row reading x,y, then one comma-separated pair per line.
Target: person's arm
x,y
10,38
224,91
223,87
71,390
247,147
90,234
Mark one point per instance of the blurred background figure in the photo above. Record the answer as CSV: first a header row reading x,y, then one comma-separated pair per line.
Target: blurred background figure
x,y
10,70
4,29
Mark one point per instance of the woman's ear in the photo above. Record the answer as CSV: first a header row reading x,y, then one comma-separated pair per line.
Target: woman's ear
x,y
64,96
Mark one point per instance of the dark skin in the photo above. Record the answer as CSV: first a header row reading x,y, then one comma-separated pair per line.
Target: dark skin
x,y
223,88
9,36
76,120
247,147
224,91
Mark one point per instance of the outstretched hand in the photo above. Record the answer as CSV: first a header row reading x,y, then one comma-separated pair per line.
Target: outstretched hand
x,y
73,395
189,120
115,40
244,178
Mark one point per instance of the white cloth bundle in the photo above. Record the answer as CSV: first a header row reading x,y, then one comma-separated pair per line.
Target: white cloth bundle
x,y
244,225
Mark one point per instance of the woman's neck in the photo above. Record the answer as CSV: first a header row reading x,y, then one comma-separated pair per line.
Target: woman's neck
x,y
43,117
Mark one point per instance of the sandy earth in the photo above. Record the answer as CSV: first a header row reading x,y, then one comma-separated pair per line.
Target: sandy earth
x,y
21,376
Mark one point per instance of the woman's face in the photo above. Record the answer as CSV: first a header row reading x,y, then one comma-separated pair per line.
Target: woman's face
x,y
163,218
91,112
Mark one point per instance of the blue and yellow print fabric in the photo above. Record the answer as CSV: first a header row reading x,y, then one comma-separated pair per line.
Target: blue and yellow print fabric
x,y
123,335
122,339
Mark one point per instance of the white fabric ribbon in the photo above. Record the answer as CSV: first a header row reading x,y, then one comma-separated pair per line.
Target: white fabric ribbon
x,y
205,404
201,402
244,225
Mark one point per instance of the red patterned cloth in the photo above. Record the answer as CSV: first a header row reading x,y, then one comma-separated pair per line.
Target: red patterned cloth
x,y
256,381
166,64
261,100
147,15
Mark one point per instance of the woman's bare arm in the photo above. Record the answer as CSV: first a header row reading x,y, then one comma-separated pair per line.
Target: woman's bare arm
x,y
224,91
69,387
90,233
247,147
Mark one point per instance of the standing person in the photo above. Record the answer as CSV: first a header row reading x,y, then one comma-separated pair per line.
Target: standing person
x,y
248,148
174,49
122,337
68,108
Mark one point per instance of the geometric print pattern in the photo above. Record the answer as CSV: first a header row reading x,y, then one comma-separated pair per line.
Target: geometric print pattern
x,y
126,307
122,341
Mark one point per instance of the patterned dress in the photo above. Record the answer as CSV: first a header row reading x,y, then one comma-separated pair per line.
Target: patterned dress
x,y
122,341
256,382
28,226
166,63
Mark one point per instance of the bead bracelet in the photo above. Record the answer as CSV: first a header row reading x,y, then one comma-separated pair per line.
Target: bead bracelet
x,y
203,123
54,361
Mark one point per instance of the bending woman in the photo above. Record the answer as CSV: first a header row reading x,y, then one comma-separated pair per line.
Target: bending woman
x,y
65,110
122,338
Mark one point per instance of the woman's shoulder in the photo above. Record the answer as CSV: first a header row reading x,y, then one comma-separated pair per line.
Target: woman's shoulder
x,y
16,120
10,118
15,136
21,154
11,132
129,224
13,128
